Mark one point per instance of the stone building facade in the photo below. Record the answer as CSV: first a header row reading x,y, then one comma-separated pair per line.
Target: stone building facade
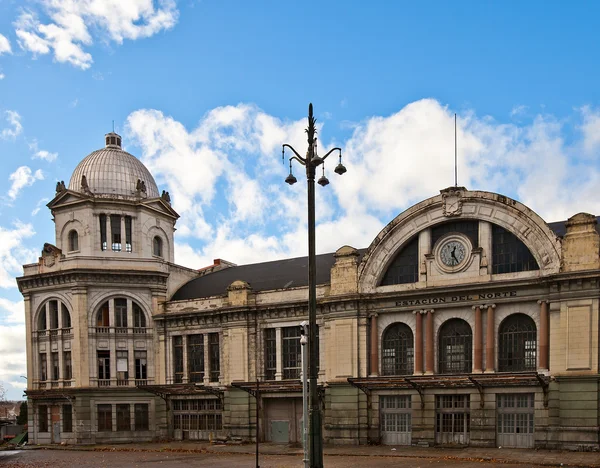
x,y
469,320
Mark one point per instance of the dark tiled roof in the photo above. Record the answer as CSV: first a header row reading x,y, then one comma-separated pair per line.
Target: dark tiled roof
x,y
278,274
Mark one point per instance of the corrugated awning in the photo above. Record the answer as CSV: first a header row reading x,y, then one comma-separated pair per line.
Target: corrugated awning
x,y
273,386
189,389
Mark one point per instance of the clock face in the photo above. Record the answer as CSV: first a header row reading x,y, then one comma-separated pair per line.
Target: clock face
x,y
453,253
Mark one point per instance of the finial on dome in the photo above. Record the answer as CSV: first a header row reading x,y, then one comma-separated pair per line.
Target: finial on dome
x,y
113,140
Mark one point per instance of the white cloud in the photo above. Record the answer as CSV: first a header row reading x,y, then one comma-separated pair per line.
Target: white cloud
x,y
45,155
591,129
38,206
15,127
21,178
518,110
226,181
71,23
12,312
5,45
2,76
13,363
13,253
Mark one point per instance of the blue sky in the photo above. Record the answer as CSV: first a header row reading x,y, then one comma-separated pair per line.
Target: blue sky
x,y
205,93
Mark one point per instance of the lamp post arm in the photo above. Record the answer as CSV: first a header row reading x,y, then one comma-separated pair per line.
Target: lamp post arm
x,y
301,160
331,151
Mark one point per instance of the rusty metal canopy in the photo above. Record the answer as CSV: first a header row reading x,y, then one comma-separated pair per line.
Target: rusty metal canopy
x,y
188,389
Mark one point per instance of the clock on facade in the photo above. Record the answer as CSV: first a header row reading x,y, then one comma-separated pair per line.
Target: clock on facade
x,y
452,252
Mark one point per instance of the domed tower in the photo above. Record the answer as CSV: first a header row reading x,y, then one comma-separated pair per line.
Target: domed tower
x,y
90,303
112,209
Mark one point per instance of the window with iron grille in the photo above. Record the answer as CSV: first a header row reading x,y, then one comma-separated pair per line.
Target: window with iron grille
x,y
178,359
67,418
292,357
405,267
197,415
141,365
468,228
509,254
195,354
455,347
517,344
270,353
43,418
123,418
104,418
141,417
215,361
397,350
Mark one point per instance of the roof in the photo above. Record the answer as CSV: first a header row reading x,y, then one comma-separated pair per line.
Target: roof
x,y
278,274
112,171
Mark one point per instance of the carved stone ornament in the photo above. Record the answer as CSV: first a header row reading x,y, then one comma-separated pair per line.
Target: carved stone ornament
x,y
452,198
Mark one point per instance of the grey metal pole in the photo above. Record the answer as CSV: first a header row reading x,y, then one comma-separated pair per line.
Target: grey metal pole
x,y
257,416
303,343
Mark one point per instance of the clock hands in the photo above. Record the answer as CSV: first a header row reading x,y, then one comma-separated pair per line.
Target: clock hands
x,y
453,255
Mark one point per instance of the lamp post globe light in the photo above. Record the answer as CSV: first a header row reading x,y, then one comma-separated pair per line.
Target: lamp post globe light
x,y
310,162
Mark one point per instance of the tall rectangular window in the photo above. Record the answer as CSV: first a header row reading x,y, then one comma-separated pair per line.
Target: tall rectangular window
x,y
178,359
292,357
67,418
53,314
122,367
141,417
43,418
104,365
43,367
66,317
68,369
103,243
195,353
141,365
128,244
115,229
123,418
215,365
55,367
121,313
104,418
270,354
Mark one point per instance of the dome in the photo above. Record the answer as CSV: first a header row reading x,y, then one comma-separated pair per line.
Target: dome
x,y
110,171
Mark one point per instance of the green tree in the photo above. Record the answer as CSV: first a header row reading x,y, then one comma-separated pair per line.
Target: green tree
x,y
22,418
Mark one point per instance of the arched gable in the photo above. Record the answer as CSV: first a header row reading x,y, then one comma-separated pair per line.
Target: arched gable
x,y
457,203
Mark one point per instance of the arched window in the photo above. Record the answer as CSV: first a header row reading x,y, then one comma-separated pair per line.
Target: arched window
x,y
139,319
397,350
455,349
509,253
517,344
42,325
66,317
73,240
102,319
157,247
405,267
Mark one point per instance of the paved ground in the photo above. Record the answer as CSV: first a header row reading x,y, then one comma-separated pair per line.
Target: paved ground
x,y
192,454
84,459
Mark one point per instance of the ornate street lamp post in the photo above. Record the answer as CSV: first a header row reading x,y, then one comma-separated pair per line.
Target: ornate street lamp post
x,y
312,160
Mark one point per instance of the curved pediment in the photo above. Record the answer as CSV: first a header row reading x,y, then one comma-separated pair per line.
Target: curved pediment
x,y
457,204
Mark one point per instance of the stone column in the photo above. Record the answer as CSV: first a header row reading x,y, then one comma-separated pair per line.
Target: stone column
x,y
123,234
478,358
429,355
544,335
278,354
186,377
419,342
374,363
490,341
206,358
